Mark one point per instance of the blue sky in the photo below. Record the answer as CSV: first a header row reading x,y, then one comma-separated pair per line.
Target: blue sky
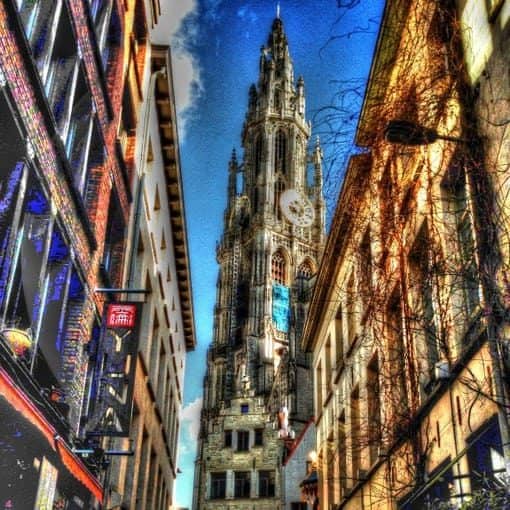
x,y
216,46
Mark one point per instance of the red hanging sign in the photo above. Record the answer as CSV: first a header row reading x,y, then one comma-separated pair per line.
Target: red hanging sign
x,y
120,315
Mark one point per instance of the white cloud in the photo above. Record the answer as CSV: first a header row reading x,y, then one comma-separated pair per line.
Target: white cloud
x,y
187,83
190,418
178,26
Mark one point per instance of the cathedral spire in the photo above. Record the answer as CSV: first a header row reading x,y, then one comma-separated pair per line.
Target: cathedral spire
x,y
272,241
276,91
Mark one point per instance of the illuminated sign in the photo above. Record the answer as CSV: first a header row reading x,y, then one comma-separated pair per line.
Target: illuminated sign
x,y
112,388
120,315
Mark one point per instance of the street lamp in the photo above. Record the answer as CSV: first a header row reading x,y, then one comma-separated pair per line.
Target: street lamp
x,y
406,132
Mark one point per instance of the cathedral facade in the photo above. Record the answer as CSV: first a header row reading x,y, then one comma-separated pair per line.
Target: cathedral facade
x,y
257,390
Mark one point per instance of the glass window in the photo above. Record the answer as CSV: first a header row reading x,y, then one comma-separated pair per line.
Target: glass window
x,y
22,302
466,244
12,183
80,135
355,432
111,44
245,408
278,269
88,184
40,24
28,12
242,484
422,322
339,336
51,337
266,484
458,218
60,74
259,437
243,440
90,390
485,456
227,438
83,137
440,491
374,408
342,456
101,15
218,485
114,241
61,77
305,270
397,362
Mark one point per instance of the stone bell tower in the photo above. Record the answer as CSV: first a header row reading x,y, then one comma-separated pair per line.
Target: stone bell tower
x,y
257,391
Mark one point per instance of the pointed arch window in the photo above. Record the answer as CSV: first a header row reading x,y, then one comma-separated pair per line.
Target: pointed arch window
x,y
258,149
278,268
279,187
280,152
305,270
277,100
255,207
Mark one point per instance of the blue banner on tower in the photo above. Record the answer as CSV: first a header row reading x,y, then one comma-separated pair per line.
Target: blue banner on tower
x,y
281,307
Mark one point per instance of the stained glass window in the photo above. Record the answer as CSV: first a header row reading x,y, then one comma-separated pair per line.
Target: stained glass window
x,y
278,269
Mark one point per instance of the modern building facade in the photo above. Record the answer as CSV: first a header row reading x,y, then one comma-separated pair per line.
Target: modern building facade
x,y
91,209
410,351
60,175
257,394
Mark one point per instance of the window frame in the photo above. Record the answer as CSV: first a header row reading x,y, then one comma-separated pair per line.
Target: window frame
x,y
242,484
227,438
268,477
258,438
218,485
243,441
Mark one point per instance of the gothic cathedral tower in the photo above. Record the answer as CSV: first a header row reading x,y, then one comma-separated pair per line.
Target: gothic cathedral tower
x,y
257,391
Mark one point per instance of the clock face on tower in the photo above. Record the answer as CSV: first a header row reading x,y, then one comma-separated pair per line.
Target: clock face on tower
x,y
297,208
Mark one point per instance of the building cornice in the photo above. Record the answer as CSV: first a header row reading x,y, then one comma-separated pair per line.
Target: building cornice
x,y
167,117
338,240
